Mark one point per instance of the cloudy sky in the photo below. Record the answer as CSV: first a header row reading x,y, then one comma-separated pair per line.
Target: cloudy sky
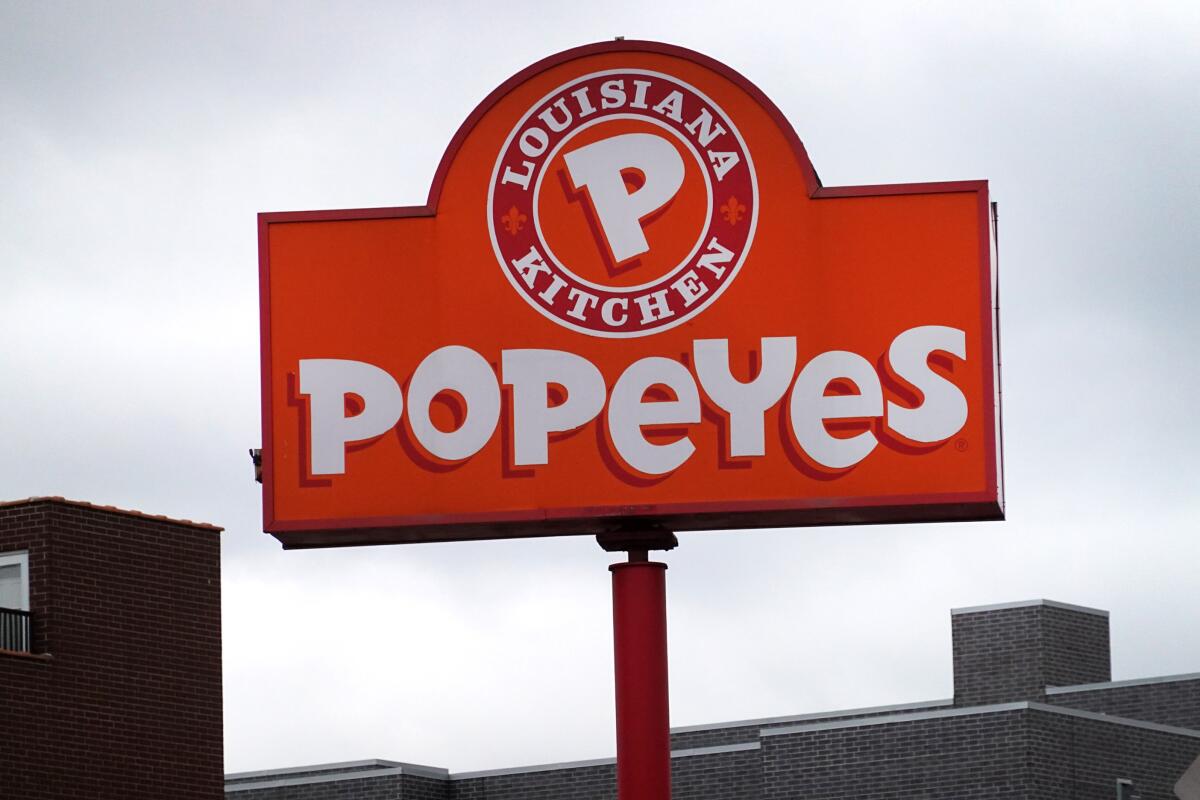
x,y
138,141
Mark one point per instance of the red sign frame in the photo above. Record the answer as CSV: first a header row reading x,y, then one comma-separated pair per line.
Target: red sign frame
x,y
297,530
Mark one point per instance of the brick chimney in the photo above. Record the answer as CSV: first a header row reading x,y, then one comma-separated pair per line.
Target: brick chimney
x,y
1013,651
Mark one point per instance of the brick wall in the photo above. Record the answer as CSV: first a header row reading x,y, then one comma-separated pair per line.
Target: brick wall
x,y
1012,653
1174,702
1028,751
948,758
594,782
1075,647
122,697
732,775
384,787
1082,759
417,787
727,775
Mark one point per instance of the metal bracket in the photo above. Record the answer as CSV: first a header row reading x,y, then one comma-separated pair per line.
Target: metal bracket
x,y
637,540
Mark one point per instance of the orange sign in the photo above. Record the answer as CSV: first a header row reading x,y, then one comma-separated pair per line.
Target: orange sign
x,y
628,301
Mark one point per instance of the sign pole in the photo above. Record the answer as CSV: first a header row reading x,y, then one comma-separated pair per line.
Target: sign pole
x,y
640,661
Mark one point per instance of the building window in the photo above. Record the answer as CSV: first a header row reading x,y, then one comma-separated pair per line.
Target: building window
x,y
14,602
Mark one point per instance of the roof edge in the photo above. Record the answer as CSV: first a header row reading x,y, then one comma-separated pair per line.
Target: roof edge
x,y
998,708
364,763
1097,687
127,512
814,715
600,762
380,768
1027,604
333,777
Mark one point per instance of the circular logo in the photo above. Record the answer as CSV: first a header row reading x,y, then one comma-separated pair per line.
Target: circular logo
x,y
623,203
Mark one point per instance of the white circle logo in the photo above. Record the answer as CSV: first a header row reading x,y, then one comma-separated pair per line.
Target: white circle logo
x,y
623,203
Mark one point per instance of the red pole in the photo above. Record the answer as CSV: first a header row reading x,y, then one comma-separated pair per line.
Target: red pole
x,y
640,648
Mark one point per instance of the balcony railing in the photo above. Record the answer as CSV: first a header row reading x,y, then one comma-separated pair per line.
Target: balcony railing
x,y
15,630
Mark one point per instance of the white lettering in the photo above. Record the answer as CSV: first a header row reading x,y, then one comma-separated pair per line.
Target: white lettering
x,y
521,178
534,142
689,287
943,411
554,123
530,373
627,413
672,106
608,311
810,407
465,372
550,292
716,255
723,162
746,403
583,301
654,306
612,94
598,167
639,94
352,401
708,131
585,104
327,381
530,265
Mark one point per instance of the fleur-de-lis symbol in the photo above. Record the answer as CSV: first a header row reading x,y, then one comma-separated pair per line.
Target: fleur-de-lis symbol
x,y
513,221
733,211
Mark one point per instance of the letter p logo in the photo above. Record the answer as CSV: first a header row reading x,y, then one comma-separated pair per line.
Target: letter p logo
x,y
602,167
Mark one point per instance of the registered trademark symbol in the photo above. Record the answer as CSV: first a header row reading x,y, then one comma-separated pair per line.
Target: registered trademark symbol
x,y
961,445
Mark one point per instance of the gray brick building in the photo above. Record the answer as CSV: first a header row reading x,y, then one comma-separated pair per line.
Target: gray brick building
x,y
1035,715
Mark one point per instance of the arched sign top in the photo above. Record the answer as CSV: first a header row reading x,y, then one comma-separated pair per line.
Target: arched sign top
x,y
812,181
620,304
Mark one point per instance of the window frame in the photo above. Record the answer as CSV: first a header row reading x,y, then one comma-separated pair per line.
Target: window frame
x,y
21,559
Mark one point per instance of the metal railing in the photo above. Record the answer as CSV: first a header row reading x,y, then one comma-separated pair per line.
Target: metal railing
x,y
15,630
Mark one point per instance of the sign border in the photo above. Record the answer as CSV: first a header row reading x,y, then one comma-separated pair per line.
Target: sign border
x,y
799,512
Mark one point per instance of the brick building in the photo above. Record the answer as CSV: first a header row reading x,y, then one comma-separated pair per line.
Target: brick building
x,y
110,687
110,654
1035,715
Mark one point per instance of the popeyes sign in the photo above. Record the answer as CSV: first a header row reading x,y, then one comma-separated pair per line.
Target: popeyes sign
x,y
628,301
